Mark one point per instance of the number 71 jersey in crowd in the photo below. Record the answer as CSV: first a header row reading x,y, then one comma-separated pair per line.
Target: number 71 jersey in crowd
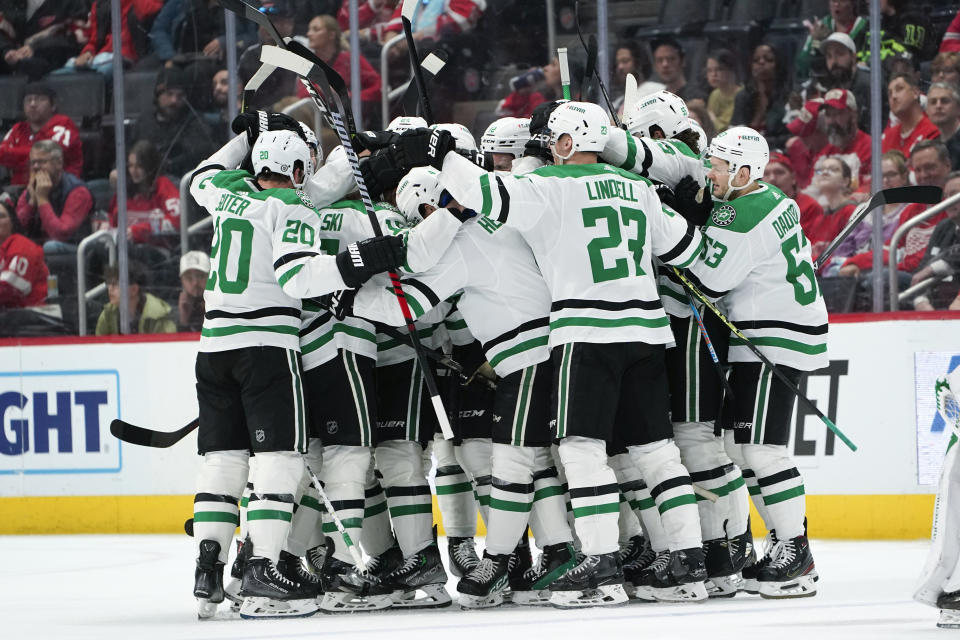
x,y
758,260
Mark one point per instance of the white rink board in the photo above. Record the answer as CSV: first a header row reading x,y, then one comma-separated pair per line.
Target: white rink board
x,y
871,390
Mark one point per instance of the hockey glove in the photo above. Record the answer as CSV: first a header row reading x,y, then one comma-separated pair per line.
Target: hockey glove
x,y
685,201
422,147
366,258
259,121
447,202
339,303
373,140
380,172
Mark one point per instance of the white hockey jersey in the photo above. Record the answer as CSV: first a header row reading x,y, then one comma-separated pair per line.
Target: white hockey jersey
x,y
505,302
757,259
665,161
594,230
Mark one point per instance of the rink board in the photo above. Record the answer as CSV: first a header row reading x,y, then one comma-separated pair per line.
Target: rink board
x,y
62,472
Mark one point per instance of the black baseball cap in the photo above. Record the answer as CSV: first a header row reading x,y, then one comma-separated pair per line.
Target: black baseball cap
x,y
40,89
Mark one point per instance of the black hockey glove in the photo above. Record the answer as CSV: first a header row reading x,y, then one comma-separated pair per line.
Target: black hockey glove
x,y
366,258
460,213
373,140
259,121
422,147
380,172
339,303
685,201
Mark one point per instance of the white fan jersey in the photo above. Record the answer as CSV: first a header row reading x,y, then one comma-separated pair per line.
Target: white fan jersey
x,y
505,302
757,259
594,230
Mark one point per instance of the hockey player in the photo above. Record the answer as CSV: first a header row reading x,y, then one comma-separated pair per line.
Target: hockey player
x,y
505,140
594,230
496,271
940,581
757,260
248,370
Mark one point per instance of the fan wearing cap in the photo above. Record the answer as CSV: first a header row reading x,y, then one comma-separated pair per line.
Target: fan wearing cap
x,y
913,124
280,83
194,270
843,19
844,137
809,140
41,122
840,57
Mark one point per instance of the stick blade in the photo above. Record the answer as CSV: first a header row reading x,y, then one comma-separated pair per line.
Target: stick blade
x,y
407,10
922,194
133,434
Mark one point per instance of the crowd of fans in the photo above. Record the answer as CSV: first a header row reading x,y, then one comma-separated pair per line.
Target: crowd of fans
x,y
807,90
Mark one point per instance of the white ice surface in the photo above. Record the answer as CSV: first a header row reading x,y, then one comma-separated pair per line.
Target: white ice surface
x,y
138,587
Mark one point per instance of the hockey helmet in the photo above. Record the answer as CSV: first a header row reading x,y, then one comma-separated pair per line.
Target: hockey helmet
x,y
279,152
586,123
461,135
702,141
314,144
506,135
740,147
666,110
402,123
420,186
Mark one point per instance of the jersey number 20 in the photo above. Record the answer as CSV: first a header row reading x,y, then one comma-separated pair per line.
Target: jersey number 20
x,y
233,237
592,216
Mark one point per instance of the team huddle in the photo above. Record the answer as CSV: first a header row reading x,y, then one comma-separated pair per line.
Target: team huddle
x,y
594,401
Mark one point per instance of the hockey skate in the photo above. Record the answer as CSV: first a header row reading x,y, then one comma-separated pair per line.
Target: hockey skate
x,y
421,573
232,590
949,604
722,571
790,573
208,579
520,562
267,593
635,555
488,584
533,587
754,563
597,581
462,553
292,568
357,590
675,576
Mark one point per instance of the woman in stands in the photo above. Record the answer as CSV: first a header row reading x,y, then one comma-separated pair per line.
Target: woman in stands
x,y
832,186
327,41
153,201
762,103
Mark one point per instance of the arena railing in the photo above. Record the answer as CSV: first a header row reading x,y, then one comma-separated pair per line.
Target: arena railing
x,y
109,238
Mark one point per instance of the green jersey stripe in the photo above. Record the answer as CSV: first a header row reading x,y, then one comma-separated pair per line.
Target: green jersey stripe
x,y
356,332
596,509
289,274
487,205
676,501
610,323
269,514
520,347
218,332
795,492
376,509
758,418
631,154
509,505
450,489
312,503
547,492
783,343
216,516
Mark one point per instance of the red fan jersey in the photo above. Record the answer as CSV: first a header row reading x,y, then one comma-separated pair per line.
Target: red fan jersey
x,y
23,273
15,147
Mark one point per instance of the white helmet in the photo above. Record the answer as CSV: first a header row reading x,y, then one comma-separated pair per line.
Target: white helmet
x,y
402,123
279,152
461,135
420,186
663,109
313,142
506,135
586,123
701,135
741,147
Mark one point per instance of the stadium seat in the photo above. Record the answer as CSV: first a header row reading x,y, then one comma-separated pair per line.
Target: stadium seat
x,y
811,8
81,96
11,102
102,192
751,10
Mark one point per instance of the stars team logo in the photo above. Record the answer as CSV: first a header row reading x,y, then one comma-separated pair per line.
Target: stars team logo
x,y
724,215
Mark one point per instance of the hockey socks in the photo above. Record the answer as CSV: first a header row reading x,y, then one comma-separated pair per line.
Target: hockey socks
x,y
781,488
408,494
270,510
594,493
671,489
475,457
377,535
344,475
216,514
455,498
548,518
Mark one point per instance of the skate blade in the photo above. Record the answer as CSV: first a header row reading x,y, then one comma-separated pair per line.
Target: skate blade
x,y
345,602
605,596
467,601
206,609
533,598
257,608
724,586
949,619
692,592
232,593
434,597
751,586
802,587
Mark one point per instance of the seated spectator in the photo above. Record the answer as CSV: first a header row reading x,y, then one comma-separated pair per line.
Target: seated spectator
x,y
148,313
779,173
843,19
668,61
373,17
722,78
946,68
153,202
449,19
97,54
37,37
327,41
190,29
631,58
896,173
942,258
832,184
951,39
844,138
219,119
530,89
181,136
762,103
42,122
931,166
23,273
281,82
810,137
903,32
913,125
840,56
55,207
194,269
943,109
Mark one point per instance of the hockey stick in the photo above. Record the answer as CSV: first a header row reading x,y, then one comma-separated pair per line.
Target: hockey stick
x,y
589,69
713,354
564,72
148,437
924,194
596,72
407,10
351,547
432,65
756,351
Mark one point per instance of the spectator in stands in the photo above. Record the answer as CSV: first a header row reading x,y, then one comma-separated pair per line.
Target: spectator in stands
x,y
36,37
23,273
946,68
942,258
668,60
437,21
896,173
42,122
327,41
810,137
631,59
530,88
840,55
904,32
281,82
373,17
148,313
951,39
178,131
97,54
219,119
722,78
913,124
943,109
832,184
762,103
780,173
194,269
843,19
153,202
699,113
55,207
189,29
844,138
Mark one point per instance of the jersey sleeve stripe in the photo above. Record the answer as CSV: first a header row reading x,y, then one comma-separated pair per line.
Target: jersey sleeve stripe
x,y
783,343
818,330
504,202
290,257
631,153
206,168
289,274
513,333
253,315
487,204
427,292
316,323
20,284
682,246
647,159
606,305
